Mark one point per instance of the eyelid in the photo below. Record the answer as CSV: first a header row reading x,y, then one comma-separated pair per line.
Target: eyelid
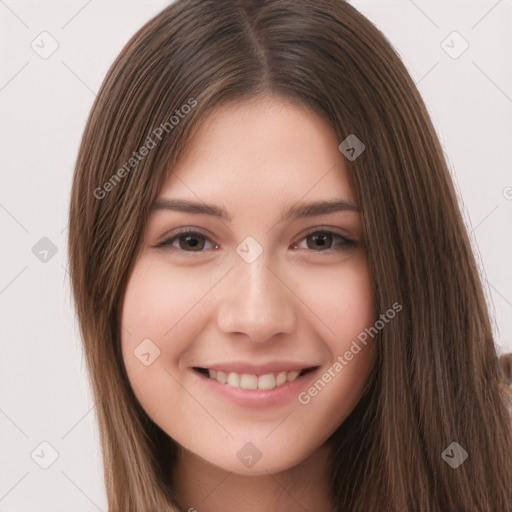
x,y
348,241
167,239
327,229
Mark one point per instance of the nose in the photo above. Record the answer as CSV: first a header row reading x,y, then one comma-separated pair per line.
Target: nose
x,y
257,301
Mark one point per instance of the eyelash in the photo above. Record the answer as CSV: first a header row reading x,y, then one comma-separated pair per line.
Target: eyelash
x,y
167,243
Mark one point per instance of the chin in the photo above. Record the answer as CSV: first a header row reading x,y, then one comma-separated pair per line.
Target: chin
x,y
277,462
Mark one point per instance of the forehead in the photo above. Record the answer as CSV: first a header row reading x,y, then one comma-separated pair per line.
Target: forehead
x,y
258,152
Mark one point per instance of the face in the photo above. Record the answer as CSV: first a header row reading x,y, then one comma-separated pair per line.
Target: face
x,y
248,285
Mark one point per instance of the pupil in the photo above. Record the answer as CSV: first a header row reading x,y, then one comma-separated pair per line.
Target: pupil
x,y
320,240
192,241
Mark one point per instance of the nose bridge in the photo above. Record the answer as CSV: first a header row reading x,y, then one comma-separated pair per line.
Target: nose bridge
x,y
255,301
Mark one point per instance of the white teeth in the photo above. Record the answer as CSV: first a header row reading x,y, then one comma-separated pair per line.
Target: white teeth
x,y
267,381
291,376
234,380
249,381
281,378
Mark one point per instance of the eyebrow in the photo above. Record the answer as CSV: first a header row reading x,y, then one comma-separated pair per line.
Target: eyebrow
x,y
297,211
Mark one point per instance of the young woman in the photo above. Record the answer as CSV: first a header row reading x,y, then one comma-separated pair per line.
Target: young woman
x,y
278,301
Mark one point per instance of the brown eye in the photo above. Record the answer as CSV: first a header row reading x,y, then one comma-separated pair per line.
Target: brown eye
x,y
188,241
324,240
320,240
193,242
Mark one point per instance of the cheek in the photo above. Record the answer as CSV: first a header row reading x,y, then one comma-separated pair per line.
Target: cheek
x,y
159,318
343,302
162,305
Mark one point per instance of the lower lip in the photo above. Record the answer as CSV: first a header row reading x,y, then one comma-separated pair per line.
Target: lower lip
x,y
259,398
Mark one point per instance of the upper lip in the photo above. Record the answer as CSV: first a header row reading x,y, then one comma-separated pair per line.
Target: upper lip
x,y
255,369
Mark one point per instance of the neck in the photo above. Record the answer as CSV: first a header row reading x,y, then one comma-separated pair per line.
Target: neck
x,y
203,487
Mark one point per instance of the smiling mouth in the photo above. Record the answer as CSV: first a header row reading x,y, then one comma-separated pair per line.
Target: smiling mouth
x,y
251,381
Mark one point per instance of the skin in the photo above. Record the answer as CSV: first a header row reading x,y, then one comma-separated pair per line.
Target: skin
x,y
299,300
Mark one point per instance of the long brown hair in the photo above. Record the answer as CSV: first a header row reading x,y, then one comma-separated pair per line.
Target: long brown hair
x,y
434,380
